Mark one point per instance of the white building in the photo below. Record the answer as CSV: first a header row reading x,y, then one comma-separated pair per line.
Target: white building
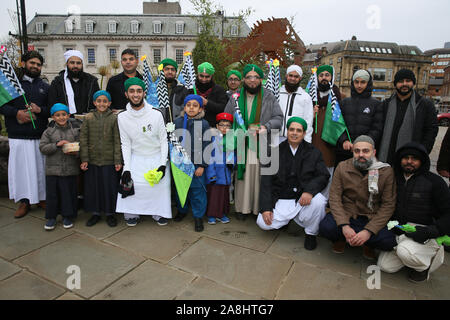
x,y
102,37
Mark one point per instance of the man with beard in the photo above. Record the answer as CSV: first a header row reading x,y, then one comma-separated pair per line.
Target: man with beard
x,y
261,113
325,79
423,201
26,166
144,147
177,92
214,96
234,79
363,115
295,102
294,191
74,87
362,200
115,84
407,117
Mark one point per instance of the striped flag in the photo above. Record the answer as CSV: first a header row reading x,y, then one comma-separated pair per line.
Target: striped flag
x,y
187,73
151,97
10,87
311,88
162,91
273,82
334,124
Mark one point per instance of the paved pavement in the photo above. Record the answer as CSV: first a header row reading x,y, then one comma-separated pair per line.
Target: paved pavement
x,y
232,261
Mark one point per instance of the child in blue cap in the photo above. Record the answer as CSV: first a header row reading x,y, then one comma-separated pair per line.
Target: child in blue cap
x,y
101,160
59,144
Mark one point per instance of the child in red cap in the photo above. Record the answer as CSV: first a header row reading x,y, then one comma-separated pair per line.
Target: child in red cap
x,y
219,172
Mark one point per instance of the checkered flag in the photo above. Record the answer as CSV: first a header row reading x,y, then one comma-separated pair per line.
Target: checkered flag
x,y
162,91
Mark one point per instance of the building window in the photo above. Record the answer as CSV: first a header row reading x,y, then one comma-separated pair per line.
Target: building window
x,y
389,75
112,27
379,74
69,25
179,56
373,50
383,50
156,56
378,50
234,30
134,26
413,52
331,62
89,27
91,56
112,54
179,27
157,27
338,76
41,52
40,27
389,51
68,48
200,28
424,79
362,49
367,49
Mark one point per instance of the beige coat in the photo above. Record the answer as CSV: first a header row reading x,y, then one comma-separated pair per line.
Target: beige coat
x,y
349,195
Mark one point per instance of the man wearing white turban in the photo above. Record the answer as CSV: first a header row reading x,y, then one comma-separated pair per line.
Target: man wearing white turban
x,y
295,102
74,87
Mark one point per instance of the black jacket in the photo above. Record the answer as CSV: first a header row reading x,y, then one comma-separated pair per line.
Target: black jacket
x,y
36,92
176,99
426,126
58,93
116,89
425,197
443,162
217,100
363,115
306,172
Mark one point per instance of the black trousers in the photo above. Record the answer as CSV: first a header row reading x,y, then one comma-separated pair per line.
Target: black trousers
x,y
61,196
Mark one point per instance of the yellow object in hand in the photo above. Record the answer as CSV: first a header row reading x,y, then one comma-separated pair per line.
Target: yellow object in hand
x,y
153,176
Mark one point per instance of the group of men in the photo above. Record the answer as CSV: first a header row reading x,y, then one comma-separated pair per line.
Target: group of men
x,y
378,171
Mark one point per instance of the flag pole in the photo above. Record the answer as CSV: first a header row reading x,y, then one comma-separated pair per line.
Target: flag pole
x,y
29,111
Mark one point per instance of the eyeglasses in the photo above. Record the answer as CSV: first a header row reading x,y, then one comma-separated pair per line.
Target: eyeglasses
x,y
252,78
234,79
224,125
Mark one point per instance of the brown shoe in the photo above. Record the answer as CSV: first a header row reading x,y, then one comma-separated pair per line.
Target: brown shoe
x,y
22,210
369,253
42,204
339,246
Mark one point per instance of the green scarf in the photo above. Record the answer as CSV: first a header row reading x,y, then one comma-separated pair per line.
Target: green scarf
x,y
255,116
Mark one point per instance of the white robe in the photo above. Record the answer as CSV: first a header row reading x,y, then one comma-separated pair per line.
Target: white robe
x,y
144,147
26,171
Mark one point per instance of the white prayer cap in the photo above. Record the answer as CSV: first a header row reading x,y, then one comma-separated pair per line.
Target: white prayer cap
x,y
73,53
295,68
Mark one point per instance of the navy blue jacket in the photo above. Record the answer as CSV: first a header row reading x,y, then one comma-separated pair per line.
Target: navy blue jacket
x,y
36,92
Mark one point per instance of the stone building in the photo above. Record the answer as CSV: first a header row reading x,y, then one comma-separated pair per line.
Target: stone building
x,y
382,59
441,59
102,37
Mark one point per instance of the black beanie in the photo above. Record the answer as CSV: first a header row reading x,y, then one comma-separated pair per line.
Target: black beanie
x,y
404,74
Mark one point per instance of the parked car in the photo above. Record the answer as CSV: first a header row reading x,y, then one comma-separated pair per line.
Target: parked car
x,y
444,119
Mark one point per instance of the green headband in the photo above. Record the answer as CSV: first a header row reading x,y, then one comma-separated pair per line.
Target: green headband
x,y
134,81
253,67
169,62
206,67
325,68
236,73
298,120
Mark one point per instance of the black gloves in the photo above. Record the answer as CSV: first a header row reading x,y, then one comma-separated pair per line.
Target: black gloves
x,y
126,186
422,234
163,170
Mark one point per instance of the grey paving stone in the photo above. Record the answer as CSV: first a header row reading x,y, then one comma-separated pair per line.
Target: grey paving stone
x,y
7,269
160,243
151,280
309,282
290,242
100,264
26,286
246,270
27,235
7,216
5,202
204,289
69,296
101,230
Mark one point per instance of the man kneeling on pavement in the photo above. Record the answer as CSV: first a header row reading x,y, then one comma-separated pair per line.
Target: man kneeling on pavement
x,y
362,200
423,201
294,191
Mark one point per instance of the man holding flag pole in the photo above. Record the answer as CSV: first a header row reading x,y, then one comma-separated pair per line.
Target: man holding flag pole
x,y
328,121
24,105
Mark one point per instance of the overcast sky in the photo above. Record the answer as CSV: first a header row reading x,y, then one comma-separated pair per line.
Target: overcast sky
x,y
414,22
